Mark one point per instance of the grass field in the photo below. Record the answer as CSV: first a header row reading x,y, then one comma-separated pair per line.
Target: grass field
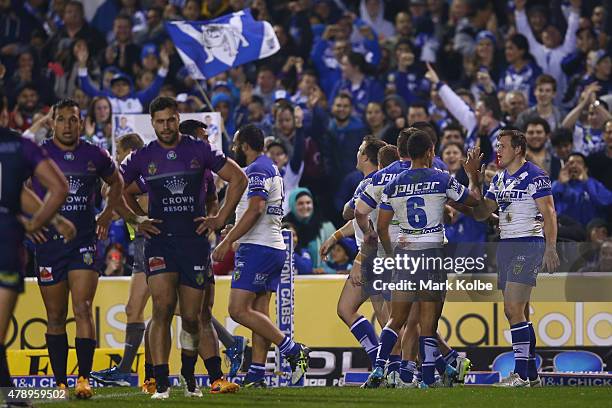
x,y
323,397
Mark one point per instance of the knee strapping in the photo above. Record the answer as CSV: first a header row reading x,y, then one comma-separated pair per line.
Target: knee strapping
x,y
189,341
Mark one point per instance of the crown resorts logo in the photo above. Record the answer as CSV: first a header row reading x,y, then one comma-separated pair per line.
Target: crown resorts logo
x,y
175,185
74,185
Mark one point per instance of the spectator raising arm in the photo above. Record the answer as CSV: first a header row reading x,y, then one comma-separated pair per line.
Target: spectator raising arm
x,y
455,105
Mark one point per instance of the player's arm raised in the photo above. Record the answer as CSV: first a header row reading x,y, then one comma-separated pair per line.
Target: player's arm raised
x,y
237,183
546,206
483,207
257,206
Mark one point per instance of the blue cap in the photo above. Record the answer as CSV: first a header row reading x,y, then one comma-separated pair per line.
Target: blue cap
x,y
281,94
486,35
599,55
147,50
122,77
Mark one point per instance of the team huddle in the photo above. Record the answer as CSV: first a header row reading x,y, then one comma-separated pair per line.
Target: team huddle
x,y
165,191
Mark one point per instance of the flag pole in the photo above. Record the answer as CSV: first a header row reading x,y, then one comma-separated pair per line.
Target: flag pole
x,y
210,106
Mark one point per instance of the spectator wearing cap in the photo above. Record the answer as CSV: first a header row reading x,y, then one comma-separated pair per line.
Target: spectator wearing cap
x,y
545,92
122,52
340,259
522,70
123,97
479,13
149,57
550,53
407,81
588,134
600,163
355,81
485,55
600,63
578,195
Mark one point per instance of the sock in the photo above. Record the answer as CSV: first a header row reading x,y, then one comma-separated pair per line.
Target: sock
x,y
149,371
532,369
394,363
288,347
451,358
161,377
133,338
213,366
407,369
520,346
364,332
188,365
57,345
5,375
85,349
256,372
225,337
428,347
387,340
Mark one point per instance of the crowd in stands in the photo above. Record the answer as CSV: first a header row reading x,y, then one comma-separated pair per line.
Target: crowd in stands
x,y
353,68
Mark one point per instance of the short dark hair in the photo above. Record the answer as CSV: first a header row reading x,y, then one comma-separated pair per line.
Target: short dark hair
x,y
387,155
78,4
345,95
561,136
546,79
162,102
419,144
584,159
402,141
466,92
372,146
131,141
189,126
266,68
491,103
537,120
252,136
419,105
454,126
124,17
429,129
456,144
64,103
517,138
257,99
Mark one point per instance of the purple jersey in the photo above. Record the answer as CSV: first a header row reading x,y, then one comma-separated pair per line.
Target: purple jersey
x,y
175,180
18,159
82,168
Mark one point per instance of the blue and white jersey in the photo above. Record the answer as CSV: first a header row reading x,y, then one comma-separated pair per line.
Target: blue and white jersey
x,y
264,181
588,140
374,191
418,197
373,215
515,194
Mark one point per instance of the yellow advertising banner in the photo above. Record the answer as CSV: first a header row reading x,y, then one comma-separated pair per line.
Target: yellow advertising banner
x,y
557,324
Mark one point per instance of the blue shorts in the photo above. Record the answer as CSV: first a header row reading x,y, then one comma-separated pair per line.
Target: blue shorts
x,y
54,259
12,262
519,260
369,277
257,268
189,256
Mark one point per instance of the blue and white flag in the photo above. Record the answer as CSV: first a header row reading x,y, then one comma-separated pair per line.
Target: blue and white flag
x,y
208,48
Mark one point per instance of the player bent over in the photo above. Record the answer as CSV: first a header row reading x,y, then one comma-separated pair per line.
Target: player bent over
x,y
261,254
173,168
528,235
417,197
20,159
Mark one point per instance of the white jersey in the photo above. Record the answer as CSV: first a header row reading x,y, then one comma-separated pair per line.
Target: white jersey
x,y
374,191
264,181
418,197
515,194
373,215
